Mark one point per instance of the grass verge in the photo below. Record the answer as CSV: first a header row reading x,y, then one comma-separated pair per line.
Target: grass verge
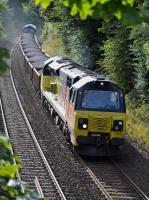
x,y
138,124
51,40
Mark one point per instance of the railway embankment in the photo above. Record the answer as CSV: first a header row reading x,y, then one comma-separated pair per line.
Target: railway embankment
x,y
138,127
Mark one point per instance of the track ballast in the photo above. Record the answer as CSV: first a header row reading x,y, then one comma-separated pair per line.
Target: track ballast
x,y
25,146
113,181
72,178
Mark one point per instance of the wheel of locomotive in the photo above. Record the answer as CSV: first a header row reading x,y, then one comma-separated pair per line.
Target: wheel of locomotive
x,y
56,119
43,100
52,112
61,124
46,104
66,133
73,148
48,107
68,136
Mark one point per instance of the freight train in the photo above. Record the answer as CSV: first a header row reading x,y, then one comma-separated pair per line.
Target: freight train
x,y
88,108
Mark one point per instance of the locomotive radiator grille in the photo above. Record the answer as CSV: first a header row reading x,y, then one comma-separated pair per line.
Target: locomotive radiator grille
x,y
99,124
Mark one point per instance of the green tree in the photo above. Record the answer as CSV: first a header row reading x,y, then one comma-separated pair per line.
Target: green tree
x,y
80,39
3,52
124,10
10,186
116,60
140,52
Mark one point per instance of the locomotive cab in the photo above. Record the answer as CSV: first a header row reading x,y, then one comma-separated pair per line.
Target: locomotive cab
x,y
96,116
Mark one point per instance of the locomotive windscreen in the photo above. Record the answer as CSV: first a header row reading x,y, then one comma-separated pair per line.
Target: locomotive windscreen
x,y
110,101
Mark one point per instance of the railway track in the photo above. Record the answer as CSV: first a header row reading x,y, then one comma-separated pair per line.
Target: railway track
x,y
35,170
112,180
71,176
112,183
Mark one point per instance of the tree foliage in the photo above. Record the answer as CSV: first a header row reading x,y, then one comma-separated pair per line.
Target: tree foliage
x,y
10,186
3,52
124,10
116,60
80,39
140,55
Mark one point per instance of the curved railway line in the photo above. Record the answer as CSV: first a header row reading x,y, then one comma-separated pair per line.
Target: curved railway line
x,y
35,169
73,180
110,181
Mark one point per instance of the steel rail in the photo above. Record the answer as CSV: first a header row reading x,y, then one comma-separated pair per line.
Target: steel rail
x,y
101,187
6,132
39,189
136,188
92,175
36,142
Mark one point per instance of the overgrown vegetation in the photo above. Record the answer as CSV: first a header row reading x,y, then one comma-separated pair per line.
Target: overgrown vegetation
x,y
116,62
124,10
79,40
3,52
10,186
138,124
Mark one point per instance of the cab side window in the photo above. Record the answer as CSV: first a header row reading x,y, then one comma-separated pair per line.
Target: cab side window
x,y
73,97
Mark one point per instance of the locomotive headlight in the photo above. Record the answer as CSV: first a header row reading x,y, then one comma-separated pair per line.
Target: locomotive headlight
x,y
117,125
83,123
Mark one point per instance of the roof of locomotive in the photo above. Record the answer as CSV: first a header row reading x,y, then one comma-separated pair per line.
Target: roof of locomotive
x,y
70,68
55,66
57,59
83,81
73,71
96,80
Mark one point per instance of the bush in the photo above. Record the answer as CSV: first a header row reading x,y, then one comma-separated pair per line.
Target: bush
x,y
10,186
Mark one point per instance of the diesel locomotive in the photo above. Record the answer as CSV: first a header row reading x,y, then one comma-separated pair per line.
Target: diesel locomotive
x,y
88,108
